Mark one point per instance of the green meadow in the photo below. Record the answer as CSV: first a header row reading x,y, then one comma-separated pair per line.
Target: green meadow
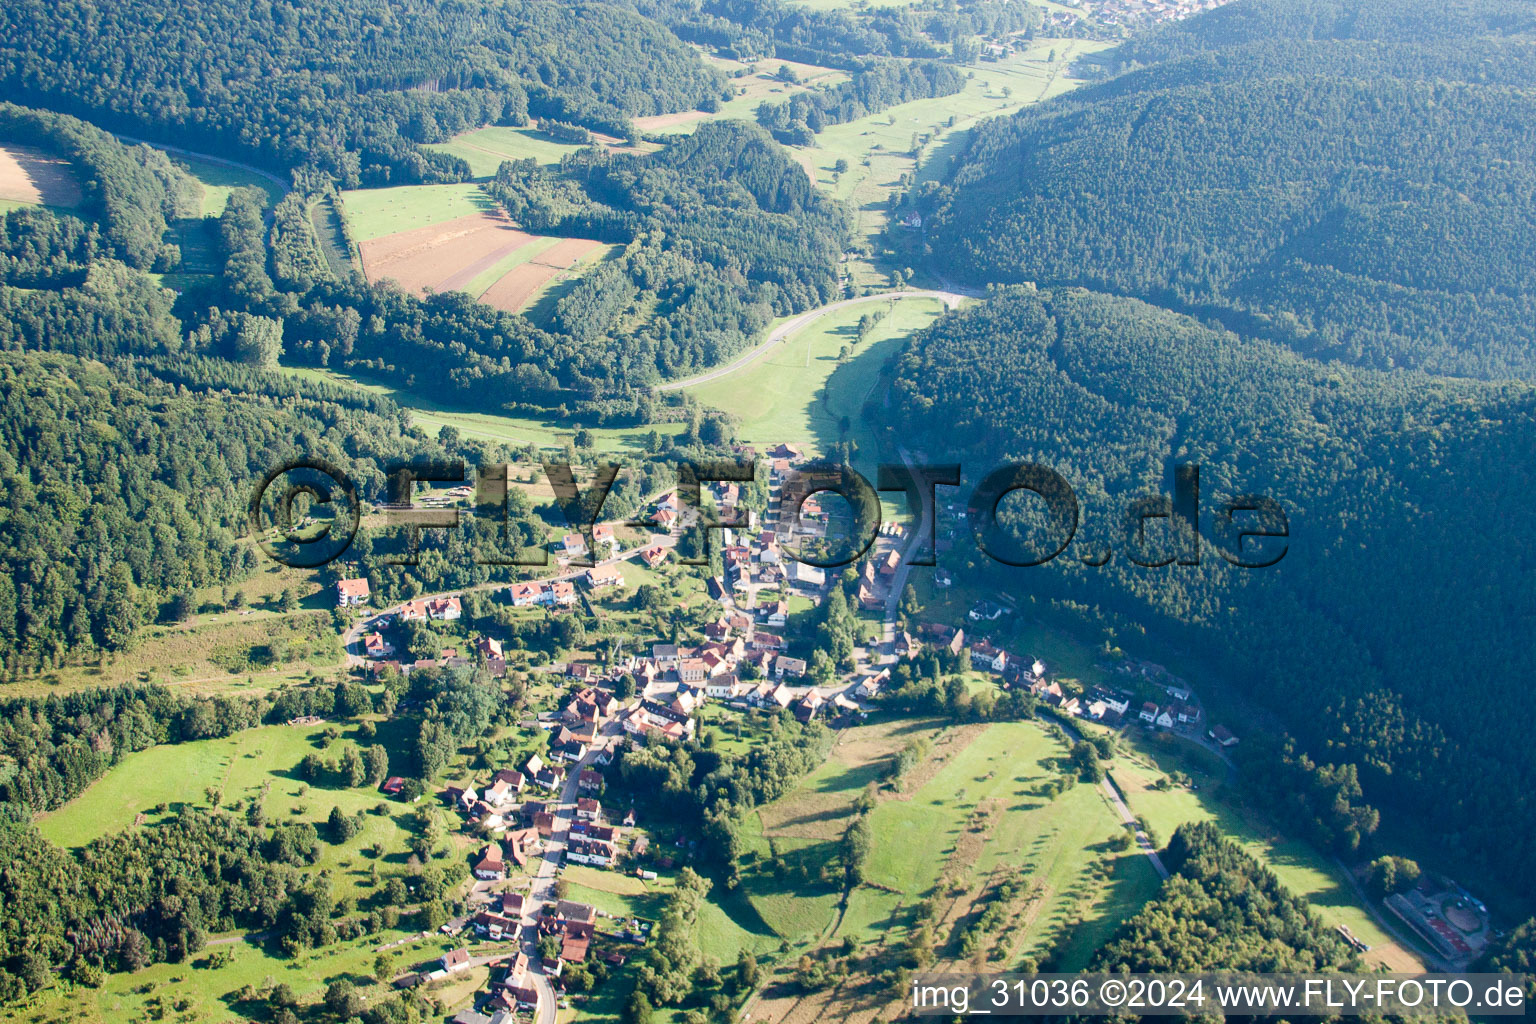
x,y
376,212
976,814
545,432
799,393
487,148
1300,866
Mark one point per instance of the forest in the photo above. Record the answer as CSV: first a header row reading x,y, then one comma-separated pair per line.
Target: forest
x,y
722,232
1222,910
157,892
348,88
798,119
1370,206
1387,481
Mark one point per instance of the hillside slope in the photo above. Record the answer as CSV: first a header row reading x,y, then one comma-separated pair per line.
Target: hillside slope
x,y
1369,638
1331,183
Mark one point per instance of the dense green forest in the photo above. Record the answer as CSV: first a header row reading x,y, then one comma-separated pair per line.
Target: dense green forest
x,y
1222,910
798,119
723,232
851,39
1390,482
350,88
1302,170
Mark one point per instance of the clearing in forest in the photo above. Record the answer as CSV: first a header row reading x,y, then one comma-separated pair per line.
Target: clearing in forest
x,y
31,177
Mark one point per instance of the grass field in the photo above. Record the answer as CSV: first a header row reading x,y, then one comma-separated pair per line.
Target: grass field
x,y
1302,868
881,147
798,393
219,180
973,813
510,430
33,177
918,830
376,212
256,764
218,650
486,149
758,83
201,990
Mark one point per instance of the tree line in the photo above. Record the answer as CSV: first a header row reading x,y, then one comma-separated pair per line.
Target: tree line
x,y
1383,478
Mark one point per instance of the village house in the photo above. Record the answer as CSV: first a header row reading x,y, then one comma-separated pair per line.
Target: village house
x,y
392,786
665,656
550,777
1148,713
445,609
950,637
375,646
494,926
353,592
777,614
762,641
721,687
464,799
1221,734
489,648
490,865
648,718
573,545
603,537
653,555
602,576
590,850
568,747
805,575
792,667
575,923
455,960
589,809
562,593
413,611
984,655
693,670
525,594
590,780
504,787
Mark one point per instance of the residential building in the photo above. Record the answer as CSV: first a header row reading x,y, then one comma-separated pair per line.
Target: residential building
x,y
445,609
601,576
490,867
794,667
353,592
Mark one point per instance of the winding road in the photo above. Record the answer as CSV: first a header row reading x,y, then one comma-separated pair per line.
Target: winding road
x,y
779,334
